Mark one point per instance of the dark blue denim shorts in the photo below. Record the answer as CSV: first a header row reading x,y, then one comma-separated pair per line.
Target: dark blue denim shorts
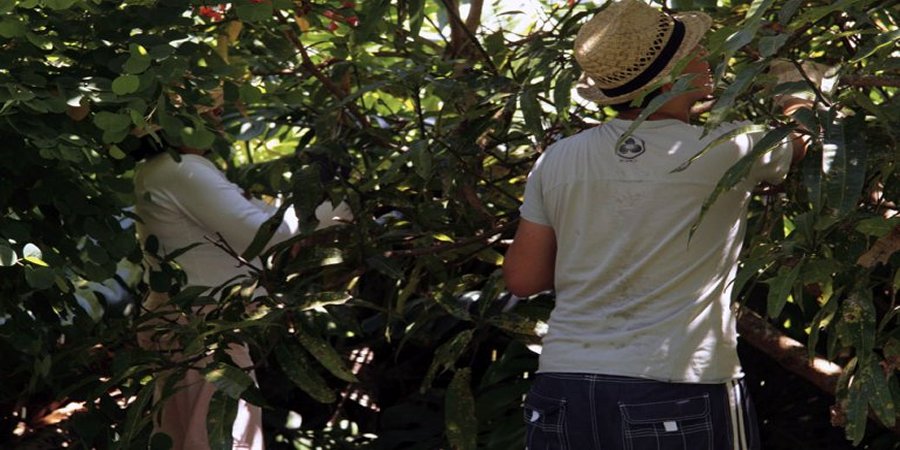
x,y
578,411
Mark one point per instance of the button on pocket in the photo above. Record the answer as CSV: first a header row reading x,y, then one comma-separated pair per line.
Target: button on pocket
x,y
677,424
545,419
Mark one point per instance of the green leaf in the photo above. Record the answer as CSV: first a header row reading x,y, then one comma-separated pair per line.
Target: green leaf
x,y
741,169
108,121
422,159
446,355
877,226
58,4
299,369
725,103
682,85
822,319
385,266
40,277
316,300
769,45
787,11
856,321
749,269
227,378
197,136
896,283
843,163
126,84
459,412
779,288
254,12
562,92
515,323
880,41
531,111
877,390
857,411
416,16
31,251
264,234
12,27
219,420
160,281
250,94
744,129
136,419
161,441
813,15
138,62
325,354
8,256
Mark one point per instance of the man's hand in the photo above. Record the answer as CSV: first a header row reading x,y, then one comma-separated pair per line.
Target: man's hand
x,y
820,75
330,215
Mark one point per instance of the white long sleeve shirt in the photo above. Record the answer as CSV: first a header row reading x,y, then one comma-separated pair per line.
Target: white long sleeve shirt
x,y
188,202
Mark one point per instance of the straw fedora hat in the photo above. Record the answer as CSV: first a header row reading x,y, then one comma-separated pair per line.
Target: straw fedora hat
x,y
627,47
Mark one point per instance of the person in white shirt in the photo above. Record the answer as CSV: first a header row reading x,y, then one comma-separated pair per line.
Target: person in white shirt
x,y
641,346
190,202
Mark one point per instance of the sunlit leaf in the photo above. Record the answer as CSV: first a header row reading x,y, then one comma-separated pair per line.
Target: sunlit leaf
x,y
446,355
325,354
843,161
8,256
223,409
299,369
461,422
227,378
780,288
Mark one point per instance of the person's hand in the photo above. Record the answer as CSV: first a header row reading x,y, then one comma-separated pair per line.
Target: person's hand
x,y
785,71
329,215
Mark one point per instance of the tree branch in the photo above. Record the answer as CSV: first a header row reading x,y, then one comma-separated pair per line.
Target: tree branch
x,y
486,237
459,28
870,81
310,67
792,355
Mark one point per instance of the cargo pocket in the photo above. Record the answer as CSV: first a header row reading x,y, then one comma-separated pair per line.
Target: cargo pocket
x,y
677,424
545,420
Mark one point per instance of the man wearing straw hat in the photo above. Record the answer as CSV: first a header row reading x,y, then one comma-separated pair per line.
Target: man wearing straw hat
x,y
641,348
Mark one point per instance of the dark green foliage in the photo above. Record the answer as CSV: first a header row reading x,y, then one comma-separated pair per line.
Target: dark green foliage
x,y
398,324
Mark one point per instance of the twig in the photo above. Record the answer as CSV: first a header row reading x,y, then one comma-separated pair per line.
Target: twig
x,y
222,244
310,67
870,81
459,24
487,237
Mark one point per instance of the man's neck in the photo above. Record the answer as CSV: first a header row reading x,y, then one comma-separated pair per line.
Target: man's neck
x,y
674,109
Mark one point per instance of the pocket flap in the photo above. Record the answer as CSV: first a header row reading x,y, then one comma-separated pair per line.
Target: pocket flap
x,y
687,408
542,410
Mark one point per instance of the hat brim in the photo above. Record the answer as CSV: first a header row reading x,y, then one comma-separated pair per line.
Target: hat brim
x,y
696,24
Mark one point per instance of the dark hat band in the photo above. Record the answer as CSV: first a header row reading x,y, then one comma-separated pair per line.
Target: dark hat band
x,y
654,69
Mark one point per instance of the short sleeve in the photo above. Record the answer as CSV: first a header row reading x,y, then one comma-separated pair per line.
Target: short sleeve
x,y
532,208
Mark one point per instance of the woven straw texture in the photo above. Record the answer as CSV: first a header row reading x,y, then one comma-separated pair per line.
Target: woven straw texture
x,y
620,41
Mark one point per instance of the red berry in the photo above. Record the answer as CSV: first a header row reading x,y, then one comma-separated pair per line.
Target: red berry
x,y
332,26
212,13
329,14
348,4
353,21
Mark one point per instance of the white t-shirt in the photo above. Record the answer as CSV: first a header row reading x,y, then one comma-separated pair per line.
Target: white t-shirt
x,y
183,203
633,296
